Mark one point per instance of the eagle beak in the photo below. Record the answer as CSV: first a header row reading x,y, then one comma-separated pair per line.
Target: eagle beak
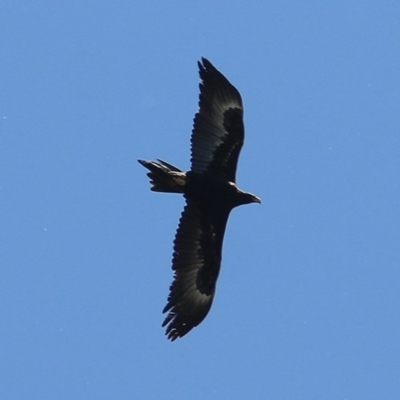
x,y
256,200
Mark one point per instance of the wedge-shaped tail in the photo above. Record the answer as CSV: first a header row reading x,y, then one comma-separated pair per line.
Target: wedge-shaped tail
x,y
164,177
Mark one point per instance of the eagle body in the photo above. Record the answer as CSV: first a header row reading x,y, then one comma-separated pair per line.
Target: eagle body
x,y
216,193
210,192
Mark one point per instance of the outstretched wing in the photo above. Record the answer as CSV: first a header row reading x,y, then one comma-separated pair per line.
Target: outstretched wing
x,y
196,262
218,130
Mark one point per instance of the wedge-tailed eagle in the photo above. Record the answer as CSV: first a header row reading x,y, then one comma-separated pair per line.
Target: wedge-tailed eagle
x,y
210,192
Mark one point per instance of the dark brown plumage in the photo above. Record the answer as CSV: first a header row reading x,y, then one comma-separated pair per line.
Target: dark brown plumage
x,y
210,192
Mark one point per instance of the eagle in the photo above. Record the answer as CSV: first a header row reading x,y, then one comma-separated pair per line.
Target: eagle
x,y
210,192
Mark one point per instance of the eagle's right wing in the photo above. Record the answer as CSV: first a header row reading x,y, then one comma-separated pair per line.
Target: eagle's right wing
x,y
218,129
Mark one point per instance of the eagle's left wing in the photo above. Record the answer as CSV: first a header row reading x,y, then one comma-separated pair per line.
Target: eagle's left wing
x,y
196,263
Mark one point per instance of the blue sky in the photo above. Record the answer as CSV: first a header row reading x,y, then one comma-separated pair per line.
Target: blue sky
x,y
307,305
